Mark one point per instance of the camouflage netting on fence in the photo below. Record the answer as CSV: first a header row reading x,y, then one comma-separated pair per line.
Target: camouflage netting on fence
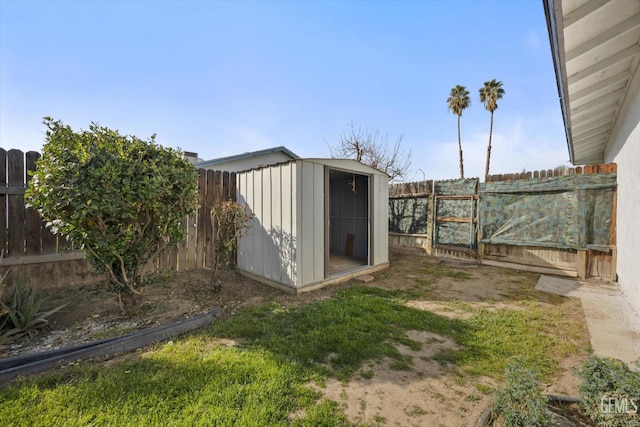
x,y
408,215
456,187
452,210
565,212
409,207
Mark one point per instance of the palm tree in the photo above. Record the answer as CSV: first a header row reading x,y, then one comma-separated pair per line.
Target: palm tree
x,y
459,100
489,94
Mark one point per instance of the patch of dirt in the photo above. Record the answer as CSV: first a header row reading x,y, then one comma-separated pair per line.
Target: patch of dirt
x,y
92,312
429,394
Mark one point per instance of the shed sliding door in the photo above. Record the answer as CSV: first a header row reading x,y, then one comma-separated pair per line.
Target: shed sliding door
x,y
349,221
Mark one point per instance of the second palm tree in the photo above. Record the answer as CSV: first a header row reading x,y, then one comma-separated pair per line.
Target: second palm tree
x,y
489,95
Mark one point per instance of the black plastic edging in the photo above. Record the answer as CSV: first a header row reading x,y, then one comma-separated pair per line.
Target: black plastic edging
x,y
33,363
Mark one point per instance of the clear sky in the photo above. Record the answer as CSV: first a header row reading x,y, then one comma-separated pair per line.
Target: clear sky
x,y
225,77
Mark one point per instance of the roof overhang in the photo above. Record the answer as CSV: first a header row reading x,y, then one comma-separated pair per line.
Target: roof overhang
x,y
248,155
595,46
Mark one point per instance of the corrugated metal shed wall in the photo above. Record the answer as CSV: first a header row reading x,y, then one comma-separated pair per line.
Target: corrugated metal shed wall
x,y
285,243
269,248
380,220
311,207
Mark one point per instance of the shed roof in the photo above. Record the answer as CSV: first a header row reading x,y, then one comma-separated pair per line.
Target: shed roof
x,y
349,165
596,52
248,155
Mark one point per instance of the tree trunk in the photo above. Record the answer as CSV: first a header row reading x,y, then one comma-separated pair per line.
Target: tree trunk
x,y
460,151
486,172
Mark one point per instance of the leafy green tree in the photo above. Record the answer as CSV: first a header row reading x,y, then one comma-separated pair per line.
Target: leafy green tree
x,y
490,93
121,198
458,101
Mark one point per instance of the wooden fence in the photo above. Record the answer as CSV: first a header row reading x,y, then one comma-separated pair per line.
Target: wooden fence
x,y
43,260
570,262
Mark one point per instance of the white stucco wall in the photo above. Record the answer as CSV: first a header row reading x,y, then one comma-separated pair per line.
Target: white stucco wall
x,y
624,150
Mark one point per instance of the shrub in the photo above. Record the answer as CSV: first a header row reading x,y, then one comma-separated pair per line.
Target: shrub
x,y
121,198
230,222
610,392
520,400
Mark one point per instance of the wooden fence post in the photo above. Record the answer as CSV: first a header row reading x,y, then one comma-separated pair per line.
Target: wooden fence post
x,y
3,201
16,215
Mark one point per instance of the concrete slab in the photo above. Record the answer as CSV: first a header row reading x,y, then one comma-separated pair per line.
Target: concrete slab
x,y
614,327
366,278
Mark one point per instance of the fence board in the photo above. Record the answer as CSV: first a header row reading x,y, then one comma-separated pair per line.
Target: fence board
x,y
16,215
3,201
32,221
192,243
202,217
181,258
213,194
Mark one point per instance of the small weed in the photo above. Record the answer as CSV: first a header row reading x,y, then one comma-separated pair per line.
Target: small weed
x,y
458,275
401,365
483,388
368,374
441,270
414,411
472,398
326,413
424,282
459,379
462,306
379,420
437,395
413,345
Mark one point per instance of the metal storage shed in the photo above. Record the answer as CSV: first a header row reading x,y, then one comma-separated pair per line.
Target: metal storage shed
x,y
317,221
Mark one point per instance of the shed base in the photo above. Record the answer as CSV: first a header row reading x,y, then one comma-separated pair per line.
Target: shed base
x,y
331,280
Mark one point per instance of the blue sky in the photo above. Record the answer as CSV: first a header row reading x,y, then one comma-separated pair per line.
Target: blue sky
x,y
225,77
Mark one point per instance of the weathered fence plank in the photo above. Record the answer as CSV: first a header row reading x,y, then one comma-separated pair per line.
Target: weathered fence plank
x,y
33,239
16,215
202,217
3,201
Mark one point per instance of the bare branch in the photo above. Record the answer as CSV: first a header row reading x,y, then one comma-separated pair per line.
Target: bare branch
x,y
371,147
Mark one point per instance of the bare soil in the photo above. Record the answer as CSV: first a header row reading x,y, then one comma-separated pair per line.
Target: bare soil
x,y
429,395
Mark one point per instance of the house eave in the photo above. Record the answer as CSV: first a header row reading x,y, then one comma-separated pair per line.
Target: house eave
x,y
595,46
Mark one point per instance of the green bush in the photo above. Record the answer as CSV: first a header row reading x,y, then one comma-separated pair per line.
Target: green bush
x,y
610,392
520,400
230,221
121,198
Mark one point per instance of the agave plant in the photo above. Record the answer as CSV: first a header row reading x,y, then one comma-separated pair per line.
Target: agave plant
x,y
20,310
